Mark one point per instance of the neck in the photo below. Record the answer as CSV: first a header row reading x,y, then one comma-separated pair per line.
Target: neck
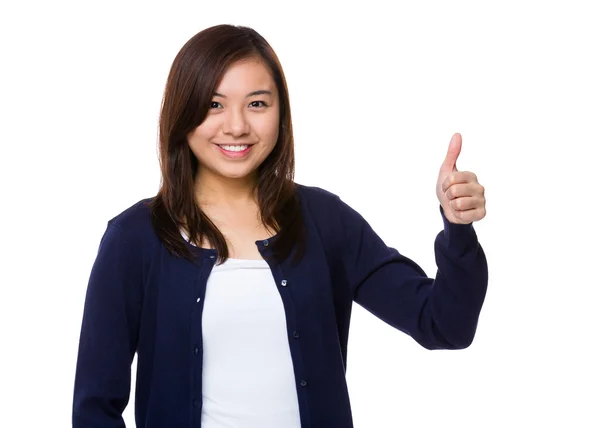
x,y
217,190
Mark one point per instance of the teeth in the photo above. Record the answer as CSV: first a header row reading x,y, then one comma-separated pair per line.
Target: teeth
x,y
234,148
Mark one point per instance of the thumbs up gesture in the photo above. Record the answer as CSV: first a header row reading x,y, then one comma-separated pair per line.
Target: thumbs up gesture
x,y
460,194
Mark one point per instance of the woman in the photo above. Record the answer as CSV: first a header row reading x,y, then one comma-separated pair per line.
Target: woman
x,y
234,284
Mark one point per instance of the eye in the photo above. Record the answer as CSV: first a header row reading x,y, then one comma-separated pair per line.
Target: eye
x,y
258,104
215,104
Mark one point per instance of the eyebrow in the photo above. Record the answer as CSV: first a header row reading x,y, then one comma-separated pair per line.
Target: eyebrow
x,y
251,94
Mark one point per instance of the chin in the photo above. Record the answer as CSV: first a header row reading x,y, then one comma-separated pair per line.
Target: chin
x,y
240,174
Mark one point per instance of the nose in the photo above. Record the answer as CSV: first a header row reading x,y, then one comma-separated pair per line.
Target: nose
x,y
236,123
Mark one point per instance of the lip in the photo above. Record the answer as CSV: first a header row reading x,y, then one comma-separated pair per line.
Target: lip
x,y
236,155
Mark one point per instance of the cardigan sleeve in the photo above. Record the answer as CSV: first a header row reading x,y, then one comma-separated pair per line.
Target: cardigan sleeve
x,y
438,313
109,332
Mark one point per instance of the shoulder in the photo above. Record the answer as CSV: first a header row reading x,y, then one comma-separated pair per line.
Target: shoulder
x,y
134,221
319,204
312,195
324,203
334,218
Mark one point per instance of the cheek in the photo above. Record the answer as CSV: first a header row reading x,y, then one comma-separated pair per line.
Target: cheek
x,y
202,135
268,129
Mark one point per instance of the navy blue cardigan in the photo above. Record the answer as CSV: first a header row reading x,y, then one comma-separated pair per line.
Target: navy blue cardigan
x,y
142,299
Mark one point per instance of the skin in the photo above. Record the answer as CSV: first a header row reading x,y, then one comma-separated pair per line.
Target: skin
x,y
223,186
460,194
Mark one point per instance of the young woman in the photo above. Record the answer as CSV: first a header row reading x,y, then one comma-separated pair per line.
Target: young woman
x,y
235,285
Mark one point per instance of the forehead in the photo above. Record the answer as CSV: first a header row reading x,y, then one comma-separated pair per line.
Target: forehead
x,y
246,76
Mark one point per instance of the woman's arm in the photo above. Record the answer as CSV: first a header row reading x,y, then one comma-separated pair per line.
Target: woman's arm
x,y
440,313
109,333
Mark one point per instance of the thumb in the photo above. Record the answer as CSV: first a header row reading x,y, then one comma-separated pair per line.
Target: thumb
x,y
449,164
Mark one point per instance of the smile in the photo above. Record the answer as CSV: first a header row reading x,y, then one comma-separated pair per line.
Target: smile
x,y
234,148
235,151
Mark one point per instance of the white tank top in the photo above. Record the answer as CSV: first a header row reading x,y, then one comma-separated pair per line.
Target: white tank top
x,y
248,377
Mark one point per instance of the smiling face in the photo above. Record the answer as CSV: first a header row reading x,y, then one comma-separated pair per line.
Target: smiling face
x,y
242,124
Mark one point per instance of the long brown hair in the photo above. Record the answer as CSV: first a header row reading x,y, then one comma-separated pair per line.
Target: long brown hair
x,y
192,81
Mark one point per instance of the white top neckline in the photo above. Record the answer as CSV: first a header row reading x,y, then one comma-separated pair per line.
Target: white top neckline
x,y
235,261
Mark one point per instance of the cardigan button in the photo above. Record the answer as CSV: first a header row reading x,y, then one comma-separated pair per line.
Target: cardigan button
x,y
303,383
296,334
266,243
284,283
196,351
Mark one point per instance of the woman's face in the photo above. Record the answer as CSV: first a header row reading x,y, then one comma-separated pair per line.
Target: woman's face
x,y
242,125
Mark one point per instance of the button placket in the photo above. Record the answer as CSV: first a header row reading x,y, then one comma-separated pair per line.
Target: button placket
x,y
295,346
195,343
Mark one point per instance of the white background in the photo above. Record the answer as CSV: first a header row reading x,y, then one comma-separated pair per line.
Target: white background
x,y
377,91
